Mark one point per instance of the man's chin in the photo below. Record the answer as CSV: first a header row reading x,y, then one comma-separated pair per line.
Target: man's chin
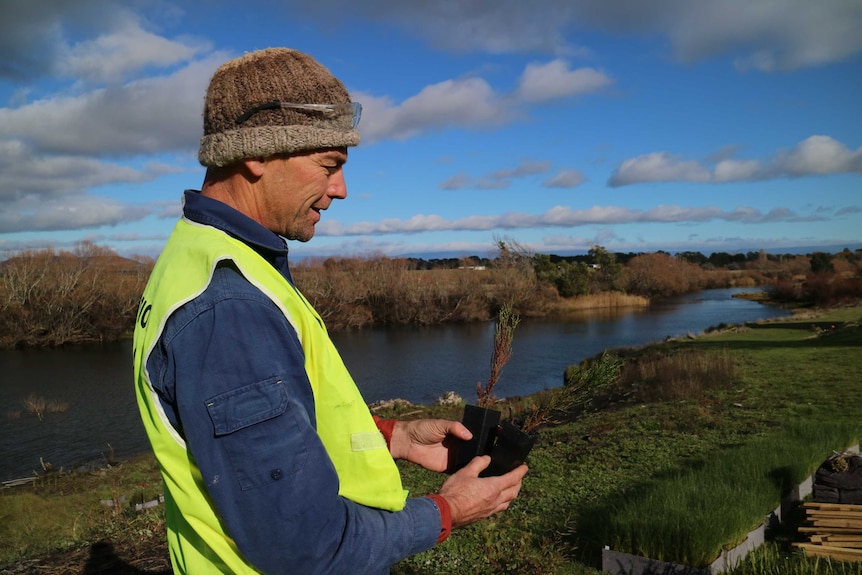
x,y
294,237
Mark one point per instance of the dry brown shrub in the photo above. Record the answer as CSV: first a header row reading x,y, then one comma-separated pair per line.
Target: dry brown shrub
x,y
785,290
376,290
830,289
680,374
795,266
357,292
717,278
843,267
50,298
661,275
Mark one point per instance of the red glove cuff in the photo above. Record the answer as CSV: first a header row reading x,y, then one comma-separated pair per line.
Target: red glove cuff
x,y
386,426
445,516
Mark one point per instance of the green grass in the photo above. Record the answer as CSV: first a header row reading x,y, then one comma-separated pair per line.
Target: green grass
x,y
65,512
689,515
772,559
793,382
793,372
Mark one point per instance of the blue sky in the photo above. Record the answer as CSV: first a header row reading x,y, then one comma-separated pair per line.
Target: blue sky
x,y
638,126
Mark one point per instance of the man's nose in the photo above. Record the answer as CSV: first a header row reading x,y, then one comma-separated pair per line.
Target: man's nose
x,y
337,185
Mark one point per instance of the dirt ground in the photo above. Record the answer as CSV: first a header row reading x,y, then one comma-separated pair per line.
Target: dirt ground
x,y
102,558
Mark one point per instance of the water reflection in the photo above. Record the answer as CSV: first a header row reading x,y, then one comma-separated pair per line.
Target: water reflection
x,y
96,384
421,364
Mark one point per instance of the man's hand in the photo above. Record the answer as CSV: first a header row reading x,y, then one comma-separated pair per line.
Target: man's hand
x,y
427,442
472,498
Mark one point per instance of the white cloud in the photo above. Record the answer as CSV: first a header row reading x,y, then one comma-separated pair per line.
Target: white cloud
x,y
736,171
814,156
498,179
471,103
526,168
658,167
493,184
31,33
74,212
818,155
565,179
504,26
154,115
123,50
24,173
766,35
466,103
554,80
559,216
42,38
41,193
456,182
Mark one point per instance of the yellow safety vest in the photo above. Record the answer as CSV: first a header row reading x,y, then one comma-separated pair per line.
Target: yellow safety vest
x,y
366,471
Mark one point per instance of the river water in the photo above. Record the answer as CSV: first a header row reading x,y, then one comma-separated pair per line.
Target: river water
x,y
419,364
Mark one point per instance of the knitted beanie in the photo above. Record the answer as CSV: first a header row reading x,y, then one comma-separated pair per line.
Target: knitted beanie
x,y
248,112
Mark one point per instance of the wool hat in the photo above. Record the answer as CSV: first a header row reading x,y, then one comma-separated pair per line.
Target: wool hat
x,y
274,101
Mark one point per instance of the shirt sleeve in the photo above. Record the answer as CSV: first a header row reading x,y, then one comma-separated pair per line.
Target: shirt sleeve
x,y
270,479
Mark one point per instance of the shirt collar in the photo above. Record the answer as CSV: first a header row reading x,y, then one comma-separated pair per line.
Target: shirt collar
x,y
211,212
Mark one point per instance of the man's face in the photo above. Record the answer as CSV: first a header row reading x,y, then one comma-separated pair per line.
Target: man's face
x,y
297,188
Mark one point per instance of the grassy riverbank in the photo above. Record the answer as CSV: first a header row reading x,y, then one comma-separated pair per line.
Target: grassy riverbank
x,y
805,368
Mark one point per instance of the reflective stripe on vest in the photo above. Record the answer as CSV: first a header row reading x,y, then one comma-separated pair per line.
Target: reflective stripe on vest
x,y
366,471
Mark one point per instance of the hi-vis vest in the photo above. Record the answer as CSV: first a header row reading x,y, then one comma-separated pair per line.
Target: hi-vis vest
x,y
367,473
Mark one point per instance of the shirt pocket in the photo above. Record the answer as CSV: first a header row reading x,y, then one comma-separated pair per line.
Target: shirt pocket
x,y
259,431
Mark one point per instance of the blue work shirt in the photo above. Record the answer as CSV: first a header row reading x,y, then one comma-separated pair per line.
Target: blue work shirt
x,y
233,335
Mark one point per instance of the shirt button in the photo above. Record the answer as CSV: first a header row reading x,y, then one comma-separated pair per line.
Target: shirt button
x,y
276,474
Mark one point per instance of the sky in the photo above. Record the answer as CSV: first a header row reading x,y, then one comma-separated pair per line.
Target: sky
x,y
636,125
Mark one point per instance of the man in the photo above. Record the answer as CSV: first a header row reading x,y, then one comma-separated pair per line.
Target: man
x,y
271,460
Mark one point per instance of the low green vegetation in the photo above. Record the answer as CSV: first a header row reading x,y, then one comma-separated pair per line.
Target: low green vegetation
x,y
690,514
787,378
773,559
69,512
786,396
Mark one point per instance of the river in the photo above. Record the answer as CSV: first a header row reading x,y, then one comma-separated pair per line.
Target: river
x,y
419,364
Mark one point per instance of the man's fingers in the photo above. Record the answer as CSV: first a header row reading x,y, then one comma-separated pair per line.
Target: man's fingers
x,y
458,430
479,464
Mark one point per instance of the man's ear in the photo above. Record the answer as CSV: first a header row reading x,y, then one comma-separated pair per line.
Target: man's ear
x,y
255,167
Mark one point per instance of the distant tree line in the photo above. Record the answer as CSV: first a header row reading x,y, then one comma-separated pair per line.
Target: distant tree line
x,y
732,261
50,298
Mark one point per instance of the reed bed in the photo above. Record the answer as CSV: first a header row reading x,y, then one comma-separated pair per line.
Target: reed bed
x,y
600,301
39,406
56,406
35,404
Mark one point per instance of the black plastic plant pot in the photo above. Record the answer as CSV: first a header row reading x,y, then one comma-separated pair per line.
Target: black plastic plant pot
x,y
482,423
510,451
